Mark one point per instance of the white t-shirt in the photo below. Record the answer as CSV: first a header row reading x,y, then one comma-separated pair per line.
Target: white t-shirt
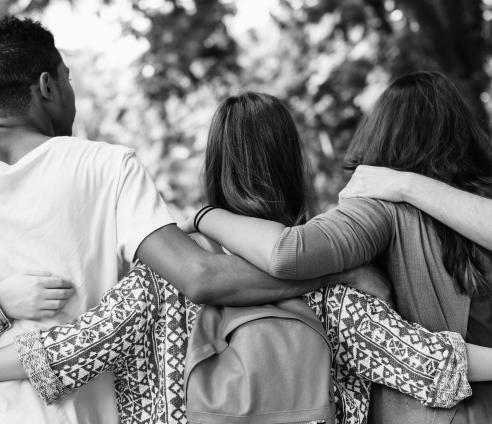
x,y
79,210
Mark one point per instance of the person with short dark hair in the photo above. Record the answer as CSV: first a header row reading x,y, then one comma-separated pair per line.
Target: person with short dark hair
x,y
28,56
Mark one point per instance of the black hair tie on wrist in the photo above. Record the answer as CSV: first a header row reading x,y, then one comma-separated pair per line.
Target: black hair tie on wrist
x,y
200,214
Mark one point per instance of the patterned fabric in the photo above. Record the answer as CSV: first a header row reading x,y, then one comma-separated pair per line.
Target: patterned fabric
x,y
372,343
35,362
140,331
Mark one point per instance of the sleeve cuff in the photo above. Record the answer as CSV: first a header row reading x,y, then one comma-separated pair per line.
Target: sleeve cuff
x,y
450,384
142,232
5,323
34,360
283,259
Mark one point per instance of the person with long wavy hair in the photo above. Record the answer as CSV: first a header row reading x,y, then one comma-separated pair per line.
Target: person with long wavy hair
x,y
440,279
254,166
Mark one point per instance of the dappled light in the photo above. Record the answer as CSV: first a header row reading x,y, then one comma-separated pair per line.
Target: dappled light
x,y
149,74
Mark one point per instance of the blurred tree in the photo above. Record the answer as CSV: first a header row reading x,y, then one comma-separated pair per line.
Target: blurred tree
x,y
450,35
327,59
346,51
189,46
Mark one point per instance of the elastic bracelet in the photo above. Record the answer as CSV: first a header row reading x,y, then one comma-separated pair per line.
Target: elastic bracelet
x,y
197,216
206,211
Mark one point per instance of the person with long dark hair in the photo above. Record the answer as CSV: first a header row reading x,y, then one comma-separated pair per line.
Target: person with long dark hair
x,y
440,279
253,166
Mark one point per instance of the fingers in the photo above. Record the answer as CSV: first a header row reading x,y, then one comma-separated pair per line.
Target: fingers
x,y
39,274
59,294
188,225
53,305
55,283
46,314
56,299
343,194
206,243
349,191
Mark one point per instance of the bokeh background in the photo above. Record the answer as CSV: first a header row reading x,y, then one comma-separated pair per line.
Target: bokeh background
x,y
150,73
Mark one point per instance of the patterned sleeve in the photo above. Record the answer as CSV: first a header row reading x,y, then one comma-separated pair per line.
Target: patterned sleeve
x,y
68,356
378,345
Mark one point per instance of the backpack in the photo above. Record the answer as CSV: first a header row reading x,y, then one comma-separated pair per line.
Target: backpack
x,y
267,364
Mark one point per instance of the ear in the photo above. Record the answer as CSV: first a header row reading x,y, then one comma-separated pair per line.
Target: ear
x,y
46,86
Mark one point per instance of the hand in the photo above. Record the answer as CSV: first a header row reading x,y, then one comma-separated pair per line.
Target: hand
x,y
34,297
376,182
206,243
188,226
371,280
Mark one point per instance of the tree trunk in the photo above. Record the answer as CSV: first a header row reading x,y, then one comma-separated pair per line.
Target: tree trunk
x,y
454,30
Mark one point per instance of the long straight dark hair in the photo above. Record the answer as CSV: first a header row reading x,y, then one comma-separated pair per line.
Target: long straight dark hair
x,y
254,161
422,124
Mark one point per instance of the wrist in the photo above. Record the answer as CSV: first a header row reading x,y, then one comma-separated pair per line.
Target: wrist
x,y
199,216
206,222
407,185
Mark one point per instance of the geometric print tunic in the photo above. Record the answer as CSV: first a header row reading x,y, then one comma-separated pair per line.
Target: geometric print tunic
x,y
140,329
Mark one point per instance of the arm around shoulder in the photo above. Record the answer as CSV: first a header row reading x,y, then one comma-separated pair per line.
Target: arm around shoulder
x,y
466,213
345,237
174,256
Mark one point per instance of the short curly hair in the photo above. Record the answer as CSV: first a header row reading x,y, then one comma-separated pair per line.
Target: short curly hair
x,y
27,49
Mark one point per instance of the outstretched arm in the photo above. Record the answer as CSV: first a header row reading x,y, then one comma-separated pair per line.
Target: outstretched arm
x,y
466,213
378,345
343,238
51,357
219,279
104,335
10,365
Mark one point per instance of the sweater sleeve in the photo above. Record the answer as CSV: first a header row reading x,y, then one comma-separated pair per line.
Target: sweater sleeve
x,y
352,234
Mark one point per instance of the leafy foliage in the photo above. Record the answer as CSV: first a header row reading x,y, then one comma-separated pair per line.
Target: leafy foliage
x,y
327,59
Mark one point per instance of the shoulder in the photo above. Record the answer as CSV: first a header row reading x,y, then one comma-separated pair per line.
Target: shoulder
x,y
365,203
362,216
392,210
86,163
80,146
381,213
382,207
97,157
366,208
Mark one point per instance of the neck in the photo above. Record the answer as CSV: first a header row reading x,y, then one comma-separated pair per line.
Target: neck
x,y
18,137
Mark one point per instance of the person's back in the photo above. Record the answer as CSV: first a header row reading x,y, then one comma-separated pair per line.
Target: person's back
x,y
58,214
425,293
68,207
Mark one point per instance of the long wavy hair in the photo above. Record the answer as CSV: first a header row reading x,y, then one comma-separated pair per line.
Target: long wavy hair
x,y
422,124
254,160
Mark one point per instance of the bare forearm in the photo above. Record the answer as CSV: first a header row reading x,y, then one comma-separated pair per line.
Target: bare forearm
x,y
212,278
235,282
479,363
10,367
466,213
250,238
